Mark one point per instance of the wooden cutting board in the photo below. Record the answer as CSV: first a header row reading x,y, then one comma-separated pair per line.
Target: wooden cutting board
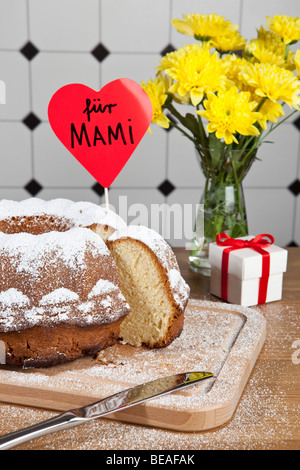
x,y
220,338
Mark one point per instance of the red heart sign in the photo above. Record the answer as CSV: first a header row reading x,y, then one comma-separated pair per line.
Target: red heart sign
x,y
102,128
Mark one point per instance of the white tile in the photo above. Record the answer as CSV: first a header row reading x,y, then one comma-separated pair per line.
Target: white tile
x,y
15,154
271,211
14,194
135,25
15,74
137,206
229,9
51,71
54,165
184,168
254,13
138,67
278,162
180,216
74,194
68,25
147,165
13,24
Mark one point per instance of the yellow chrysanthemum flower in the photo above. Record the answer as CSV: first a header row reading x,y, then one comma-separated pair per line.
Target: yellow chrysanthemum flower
x,y
230,42
268,37
204,27
195,71
286,27
269,111
297,62
272,82
230,112
268,48
170,60
235,65
265,54
157,92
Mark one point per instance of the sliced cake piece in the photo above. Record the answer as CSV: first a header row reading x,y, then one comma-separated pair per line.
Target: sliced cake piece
x,y
152,284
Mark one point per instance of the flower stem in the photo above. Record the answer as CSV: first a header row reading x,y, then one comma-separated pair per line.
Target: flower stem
x,y
261,103
287,48
237,186
274,127
202,131
183,131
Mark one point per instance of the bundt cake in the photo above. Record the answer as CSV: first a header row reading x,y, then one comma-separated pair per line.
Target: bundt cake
x,y
152,285
75,279
59,286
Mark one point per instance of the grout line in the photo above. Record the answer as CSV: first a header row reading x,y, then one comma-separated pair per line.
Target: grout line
x,y
167,145
100,38
71,51
296,198
241,15
146,188
29,62
27,20
170,17
30,90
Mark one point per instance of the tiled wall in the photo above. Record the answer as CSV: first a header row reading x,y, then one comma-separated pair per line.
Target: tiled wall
x,y
46,44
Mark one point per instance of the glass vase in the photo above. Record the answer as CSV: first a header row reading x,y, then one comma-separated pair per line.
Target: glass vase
x,y
222,207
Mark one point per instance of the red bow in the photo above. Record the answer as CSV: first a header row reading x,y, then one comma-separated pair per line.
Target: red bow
x,y
257,244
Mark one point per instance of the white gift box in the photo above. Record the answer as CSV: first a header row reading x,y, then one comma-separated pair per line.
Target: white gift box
x,y
244,273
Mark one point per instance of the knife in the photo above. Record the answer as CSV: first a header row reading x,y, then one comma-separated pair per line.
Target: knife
x,y
118,401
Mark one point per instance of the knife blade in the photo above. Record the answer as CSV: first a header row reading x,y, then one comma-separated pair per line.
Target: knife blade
x,y
119,401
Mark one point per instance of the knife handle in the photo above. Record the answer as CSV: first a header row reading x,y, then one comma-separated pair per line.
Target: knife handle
x,y
57,423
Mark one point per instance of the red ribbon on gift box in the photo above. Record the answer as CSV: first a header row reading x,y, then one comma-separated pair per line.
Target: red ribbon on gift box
x,y
258,244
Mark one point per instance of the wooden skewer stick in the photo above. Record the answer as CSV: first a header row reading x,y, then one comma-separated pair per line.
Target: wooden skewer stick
x,y
106,200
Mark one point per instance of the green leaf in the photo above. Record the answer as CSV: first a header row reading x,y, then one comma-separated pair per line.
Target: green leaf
x,y
192,124
216,147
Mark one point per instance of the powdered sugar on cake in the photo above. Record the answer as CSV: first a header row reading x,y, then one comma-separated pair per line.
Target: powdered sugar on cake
x,y
12,297
101,310
77,213
25,257
30,250
103,286
59,296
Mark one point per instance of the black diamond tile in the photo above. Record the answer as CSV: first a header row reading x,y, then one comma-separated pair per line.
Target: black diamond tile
x,y
31,121
33,187
239,52
167,49
98,189
29,50
168,129
100,52
292,243
297,123
166,187
295,187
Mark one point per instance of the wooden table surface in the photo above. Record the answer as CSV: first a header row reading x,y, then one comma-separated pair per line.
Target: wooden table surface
x,y
267,417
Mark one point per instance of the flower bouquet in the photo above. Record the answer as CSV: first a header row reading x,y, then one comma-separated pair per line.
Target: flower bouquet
x,y
238,91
